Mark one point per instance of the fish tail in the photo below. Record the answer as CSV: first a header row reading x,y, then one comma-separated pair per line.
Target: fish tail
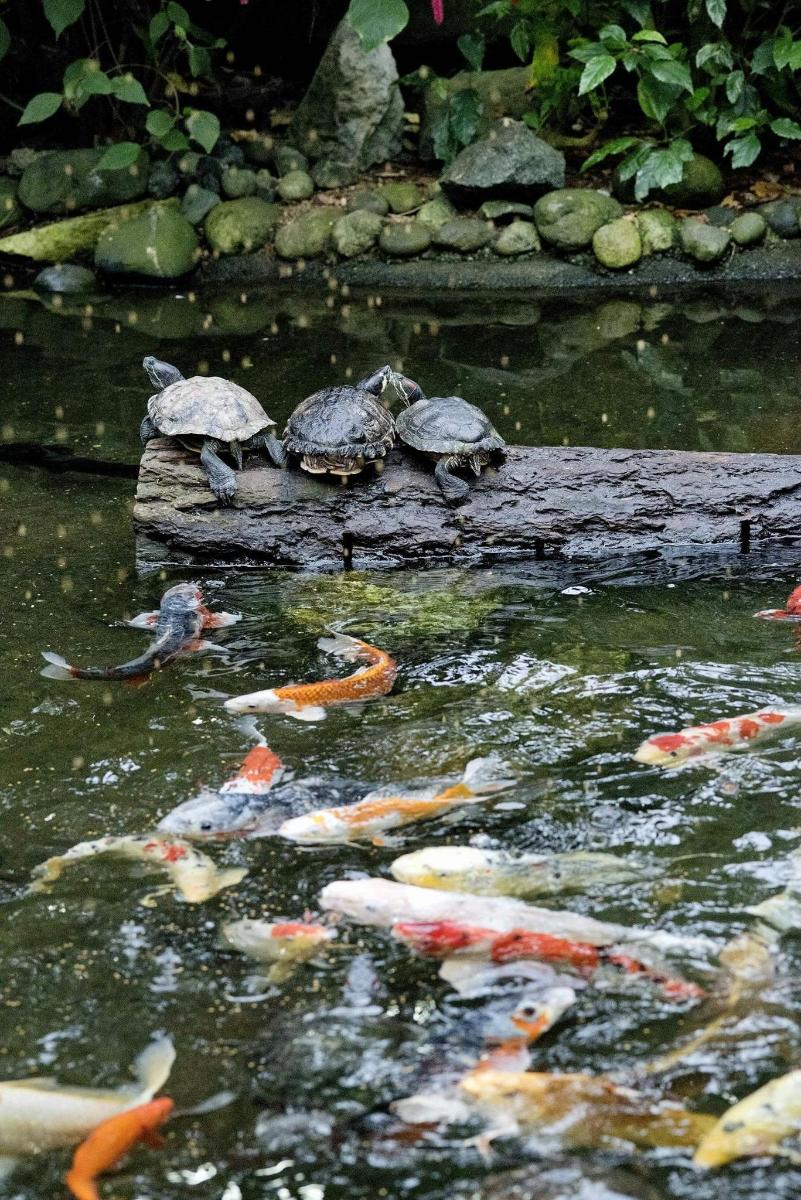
x,y
153,1066
483,776
81,1186
58,667
342,645
248,726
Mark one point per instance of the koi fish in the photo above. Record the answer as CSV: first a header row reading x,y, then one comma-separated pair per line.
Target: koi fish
x,y
756,1125
308,701
40,1114
670,749
193,874
283,944
782,912
235,809
531,1019
790,612
387,808
177,626
107,1143
583,1110
443,939
500,873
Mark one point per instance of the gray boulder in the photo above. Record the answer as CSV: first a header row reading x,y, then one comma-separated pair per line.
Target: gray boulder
x,y
159,243
748,228
356,232
508,210
782,216
705,243
63,181
569,217
353,110
239,226
510,162
520,237
464,234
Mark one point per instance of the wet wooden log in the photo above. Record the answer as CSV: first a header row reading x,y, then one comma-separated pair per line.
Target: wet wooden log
x,y
576,502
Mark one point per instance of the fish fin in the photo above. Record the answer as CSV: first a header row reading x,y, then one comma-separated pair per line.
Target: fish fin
x,y
249,727
221,620
427,1108
59,668
198,645
342,646
309,712
137,681
152,1067
229,877
483,776
145,620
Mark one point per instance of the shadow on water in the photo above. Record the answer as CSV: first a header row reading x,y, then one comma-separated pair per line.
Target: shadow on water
x,y
561,669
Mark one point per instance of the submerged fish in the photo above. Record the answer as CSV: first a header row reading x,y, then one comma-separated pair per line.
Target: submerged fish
x,y
40,1114
236,808
531,1019
582,1110
782,912
107,1143
194,875
670,749
177,626
388,808
308,701
756,1125
282,944
790,612
444,939
501,873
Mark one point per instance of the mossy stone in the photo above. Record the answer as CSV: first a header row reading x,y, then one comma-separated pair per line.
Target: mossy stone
x,y
159,242
265,184
657,230
198,202
403,196
782,216
748,228
329,174
238,182
356,233
239,226
496,210
258,147
10,208
370,201
465,234
294,186
520,237
289,158
163,180
65,279
436,212
705,243
701,184
402,239
617,244
568,217
64,181
306,236
62,240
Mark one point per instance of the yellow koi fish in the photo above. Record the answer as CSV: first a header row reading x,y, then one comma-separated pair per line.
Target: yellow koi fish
x,y
194,875
756,1125
389,808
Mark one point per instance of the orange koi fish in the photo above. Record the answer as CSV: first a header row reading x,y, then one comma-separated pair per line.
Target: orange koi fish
x,y
308,701
109,1140
234,810
442,939
670,749
790,612
530,1021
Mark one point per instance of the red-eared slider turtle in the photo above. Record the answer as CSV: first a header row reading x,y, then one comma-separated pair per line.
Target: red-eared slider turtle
x,y
337,430
454,433
206,415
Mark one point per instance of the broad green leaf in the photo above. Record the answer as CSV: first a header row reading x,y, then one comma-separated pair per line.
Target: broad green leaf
x,y
199,61
129,90
615,146
741,124
656,99
649,35
178,15
466,108
377,21
159,24
175,140
5,38
744,150
670,71
716,10
717,53
762,59
786,52
613,36
699,97
631,165
84,78
520,41
62,13
639,9
441,136
40,107
472,46
119,156
204,128
589,51
735,82
785,128
595,72
159,122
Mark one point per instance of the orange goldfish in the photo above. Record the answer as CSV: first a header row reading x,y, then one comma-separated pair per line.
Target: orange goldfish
x,y
790,612
308,701
109,1140
670,749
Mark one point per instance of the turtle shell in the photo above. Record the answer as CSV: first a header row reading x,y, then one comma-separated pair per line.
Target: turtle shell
x,y
448,425
208,407
340,423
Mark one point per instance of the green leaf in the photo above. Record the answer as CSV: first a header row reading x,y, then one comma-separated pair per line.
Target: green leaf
x,y
466,108
377,21
656,99
178,15
615,146
5,38
662,167
472,46
595,72
199,61
785,128
159,24
717,53
204,128
649,35
762,59
744,150
735,82
613,36
441,136
40,107
62,13
589,51
129,90
670,71
84,78
520,41
159,122
716,11
119,156
786,52
175,140
639,9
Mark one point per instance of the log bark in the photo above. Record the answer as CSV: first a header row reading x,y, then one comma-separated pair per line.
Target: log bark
x,y
577,502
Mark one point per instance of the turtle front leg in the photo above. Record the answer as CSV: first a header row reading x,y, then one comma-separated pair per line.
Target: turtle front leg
x,y
271,446
222,480
453,489
147,430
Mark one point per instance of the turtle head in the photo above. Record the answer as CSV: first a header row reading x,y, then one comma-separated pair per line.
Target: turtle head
x,y
161,374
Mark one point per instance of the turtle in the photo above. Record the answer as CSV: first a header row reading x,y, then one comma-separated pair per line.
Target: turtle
x,y
453,432
339,429
208,414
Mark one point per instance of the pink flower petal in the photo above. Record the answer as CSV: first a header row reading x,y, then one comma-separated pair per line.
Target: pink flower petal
x,y
438,9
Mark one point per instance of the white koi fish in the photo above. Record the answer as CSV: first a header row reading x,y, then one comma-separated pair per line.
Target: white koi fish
x,y
756,1125
671,749
194,875
282,944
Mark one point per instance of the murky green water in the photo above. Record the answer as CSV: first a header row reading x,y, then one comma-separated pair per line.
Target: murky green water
x,y
564,685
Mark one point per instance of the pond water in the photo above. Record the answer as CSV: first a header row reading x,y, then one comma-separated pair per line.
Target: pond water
x,y
563,684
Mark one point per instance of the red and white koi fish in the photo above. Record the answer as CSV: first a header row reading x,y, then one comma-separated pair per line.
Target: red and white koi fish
x,y
308,701
790,612
736,733
443,939
194,875
282,944
177,626
234,810
107,1143
389,808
